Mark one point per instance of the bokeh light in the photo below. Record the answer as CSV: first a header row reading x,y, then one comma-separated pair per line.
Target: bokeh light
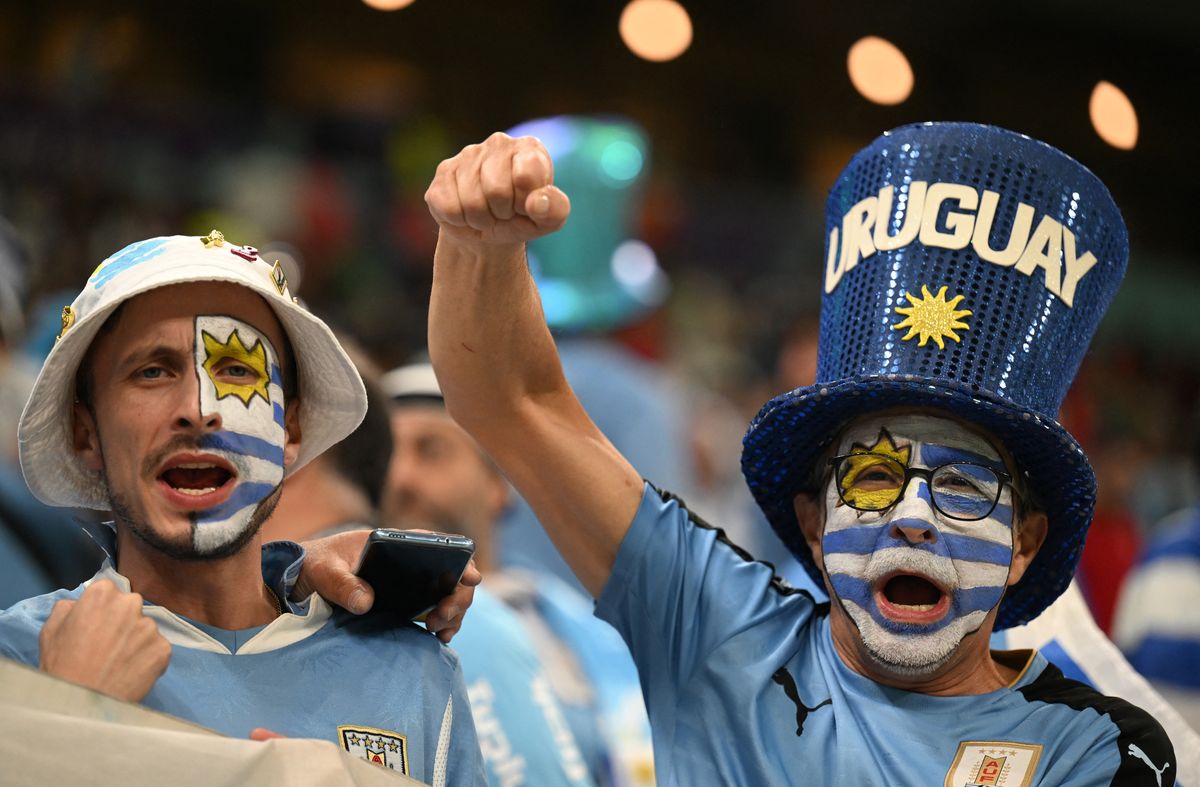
x,y
388,5
1113,116
657,30
879,71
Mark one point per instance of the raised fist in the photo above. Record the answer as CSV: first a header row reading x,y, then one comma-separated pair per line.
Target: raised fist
x,y
499,192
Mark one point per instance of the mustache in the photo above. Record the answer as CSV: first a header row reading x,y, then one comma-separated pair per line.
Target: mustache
x,y
180,443
911,561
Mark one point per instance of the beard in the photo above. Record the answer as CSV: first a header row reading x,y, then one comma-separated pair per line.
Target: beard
x,y
908,650
184,548
411,511
189,547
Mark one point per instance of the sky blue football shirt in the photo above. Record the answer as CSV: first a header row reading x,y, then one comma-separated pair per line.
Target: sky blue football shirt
x,y
743,687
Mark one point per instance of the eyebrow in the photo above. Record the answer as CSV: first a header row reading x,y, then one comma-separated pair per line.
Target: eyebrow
x,y
934,455
139,355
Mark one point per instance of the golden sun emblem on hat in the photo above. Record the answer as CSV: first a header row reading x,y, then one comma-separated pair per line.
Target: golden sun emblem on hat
x,y
932,317
255,358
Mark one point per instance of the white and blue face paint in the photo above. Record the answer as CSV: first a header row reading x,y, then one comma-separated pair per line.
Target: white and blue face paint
x,y
914,581
240,380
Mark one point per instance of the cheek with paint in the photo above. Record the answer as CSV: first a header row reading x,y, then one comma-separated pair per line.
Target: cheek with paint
x,y
240,381
910,571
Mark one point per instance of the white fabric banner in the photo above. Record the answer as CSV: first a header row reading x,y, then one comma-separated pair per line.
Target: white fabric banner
x,y
54,732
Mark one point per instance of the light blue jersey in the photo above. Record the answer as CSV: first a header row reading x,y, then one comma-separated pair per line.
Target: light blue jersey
x,y
744,687
522,729
391,695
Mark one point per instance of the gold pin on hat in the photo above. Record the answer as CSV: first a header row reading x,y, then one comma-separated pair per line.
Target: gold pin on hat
x,y
278,278
68,319
214,238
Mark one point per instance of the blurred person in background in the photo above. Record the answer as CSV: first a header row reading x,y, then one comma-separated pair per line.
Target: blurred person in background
x,y
185,385
41,548
523,734
922,479
1157,622
441,480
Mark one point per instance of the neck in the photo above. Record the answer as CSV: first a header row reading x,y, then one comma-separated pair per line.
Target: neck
x,y
227,593
971,669
315,499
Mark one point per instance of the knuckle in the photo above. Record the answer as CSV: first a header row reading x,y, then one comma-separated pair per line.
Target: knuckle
x,y
497,137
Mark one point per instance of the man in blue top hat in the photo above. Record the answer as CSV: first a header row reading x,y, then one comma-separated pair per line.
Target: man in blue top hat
x,y
923,479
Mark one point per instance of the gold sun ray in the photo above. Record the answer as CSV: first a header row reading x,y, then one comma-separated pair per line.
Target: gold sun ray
x,y
865,456
932,317
255,358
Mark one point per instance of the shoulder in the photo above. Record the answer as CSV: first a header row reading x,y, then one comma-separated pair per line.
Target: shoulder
x,y
21,624
1142,747
385,637
1178,538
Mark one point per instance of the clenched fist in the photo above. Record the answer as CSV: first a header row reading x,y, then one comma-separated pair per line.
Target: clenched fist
x,y
499,192
104,642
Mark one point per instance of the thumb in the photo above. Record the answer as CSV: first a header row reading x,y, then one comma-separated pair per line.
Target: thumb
x,y
548,208
354,595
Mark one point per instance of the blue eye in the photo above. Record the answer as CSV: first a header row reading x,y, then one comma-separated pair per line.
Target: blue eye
x,y
152,373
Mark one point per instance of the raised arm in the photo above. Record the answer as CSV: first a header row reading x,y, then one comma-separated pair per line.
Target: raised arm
x,y
496,362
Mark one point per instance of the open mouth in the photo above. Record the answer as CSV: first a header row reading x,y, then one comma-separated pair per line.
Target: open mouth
x,y
196,479
911,598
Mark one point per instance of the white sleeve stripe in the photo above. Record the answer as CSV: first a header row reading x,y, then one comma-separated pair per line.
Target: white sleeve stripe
x,y
443,746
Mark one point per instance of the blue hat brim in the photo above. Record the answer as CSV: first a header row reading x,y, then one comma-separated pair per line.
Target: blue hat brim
x,y
793,431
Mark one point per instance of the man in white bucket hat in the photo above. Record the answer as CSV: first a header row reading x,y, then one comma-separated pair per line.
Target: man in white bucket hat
x,y
923,480
186,384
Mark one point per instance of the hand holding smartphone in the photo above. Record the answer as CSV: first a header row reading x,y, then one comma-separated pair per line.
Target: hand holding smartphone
x,y
410,571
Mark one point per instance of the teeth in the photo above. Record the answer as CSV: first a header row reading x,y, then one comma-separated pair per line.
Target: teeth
x,y
196,492
916,607
195,465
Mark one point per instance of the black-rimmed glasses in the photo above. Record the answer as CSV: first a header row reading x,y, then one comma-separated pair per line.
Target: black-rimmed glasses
x,y
960,490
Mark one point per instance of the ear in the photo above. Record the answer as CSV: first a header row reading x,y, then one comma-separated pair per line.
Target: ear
x,y
291,424
1029,536
499,496
812,523
86,439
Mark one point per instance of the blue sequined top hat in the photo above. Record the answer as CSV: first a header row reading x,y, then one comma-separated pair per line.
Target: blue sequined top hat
x,y
966,268
593,275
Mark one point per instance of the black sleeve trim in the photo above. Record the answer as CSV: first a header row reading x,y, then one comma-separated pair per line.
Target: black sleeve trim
x,y
1143,745
778,583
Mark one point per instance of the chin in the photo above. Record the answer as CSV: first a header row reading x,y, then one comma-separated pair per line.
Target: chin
x,y
911,654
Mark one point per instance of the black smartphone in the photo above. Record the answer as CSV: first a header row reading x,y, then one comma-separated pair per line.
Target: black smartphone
x,y
411,572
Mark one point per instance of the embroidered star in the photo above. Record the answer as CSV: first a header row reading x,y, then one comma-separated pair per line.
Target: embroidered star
x,y
393,746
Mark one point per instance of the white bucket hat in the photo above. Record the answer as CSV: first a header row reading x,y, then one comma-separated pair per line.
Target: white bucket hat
x,y
331,392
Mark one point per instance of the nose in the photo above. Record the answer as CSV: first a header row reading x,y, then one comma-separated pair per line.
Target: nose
x,y
914,532
913,519
189,414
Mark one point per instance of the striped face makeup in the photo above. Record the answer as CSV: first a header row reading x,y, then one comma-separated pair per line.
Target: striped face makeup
x,y
240,381
916,577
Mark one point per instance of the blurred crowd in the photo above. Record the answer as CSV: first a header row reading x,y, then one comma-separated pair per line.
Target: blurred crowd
x,y
336,194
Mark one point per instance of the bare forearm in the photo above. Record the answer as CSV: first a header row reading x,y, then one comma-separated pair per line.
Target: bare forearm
x,y
487,337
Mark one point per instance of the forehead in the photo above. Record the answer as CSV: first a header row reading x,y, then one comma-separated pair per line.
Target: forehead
x,y
168,313
414,417
920,429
